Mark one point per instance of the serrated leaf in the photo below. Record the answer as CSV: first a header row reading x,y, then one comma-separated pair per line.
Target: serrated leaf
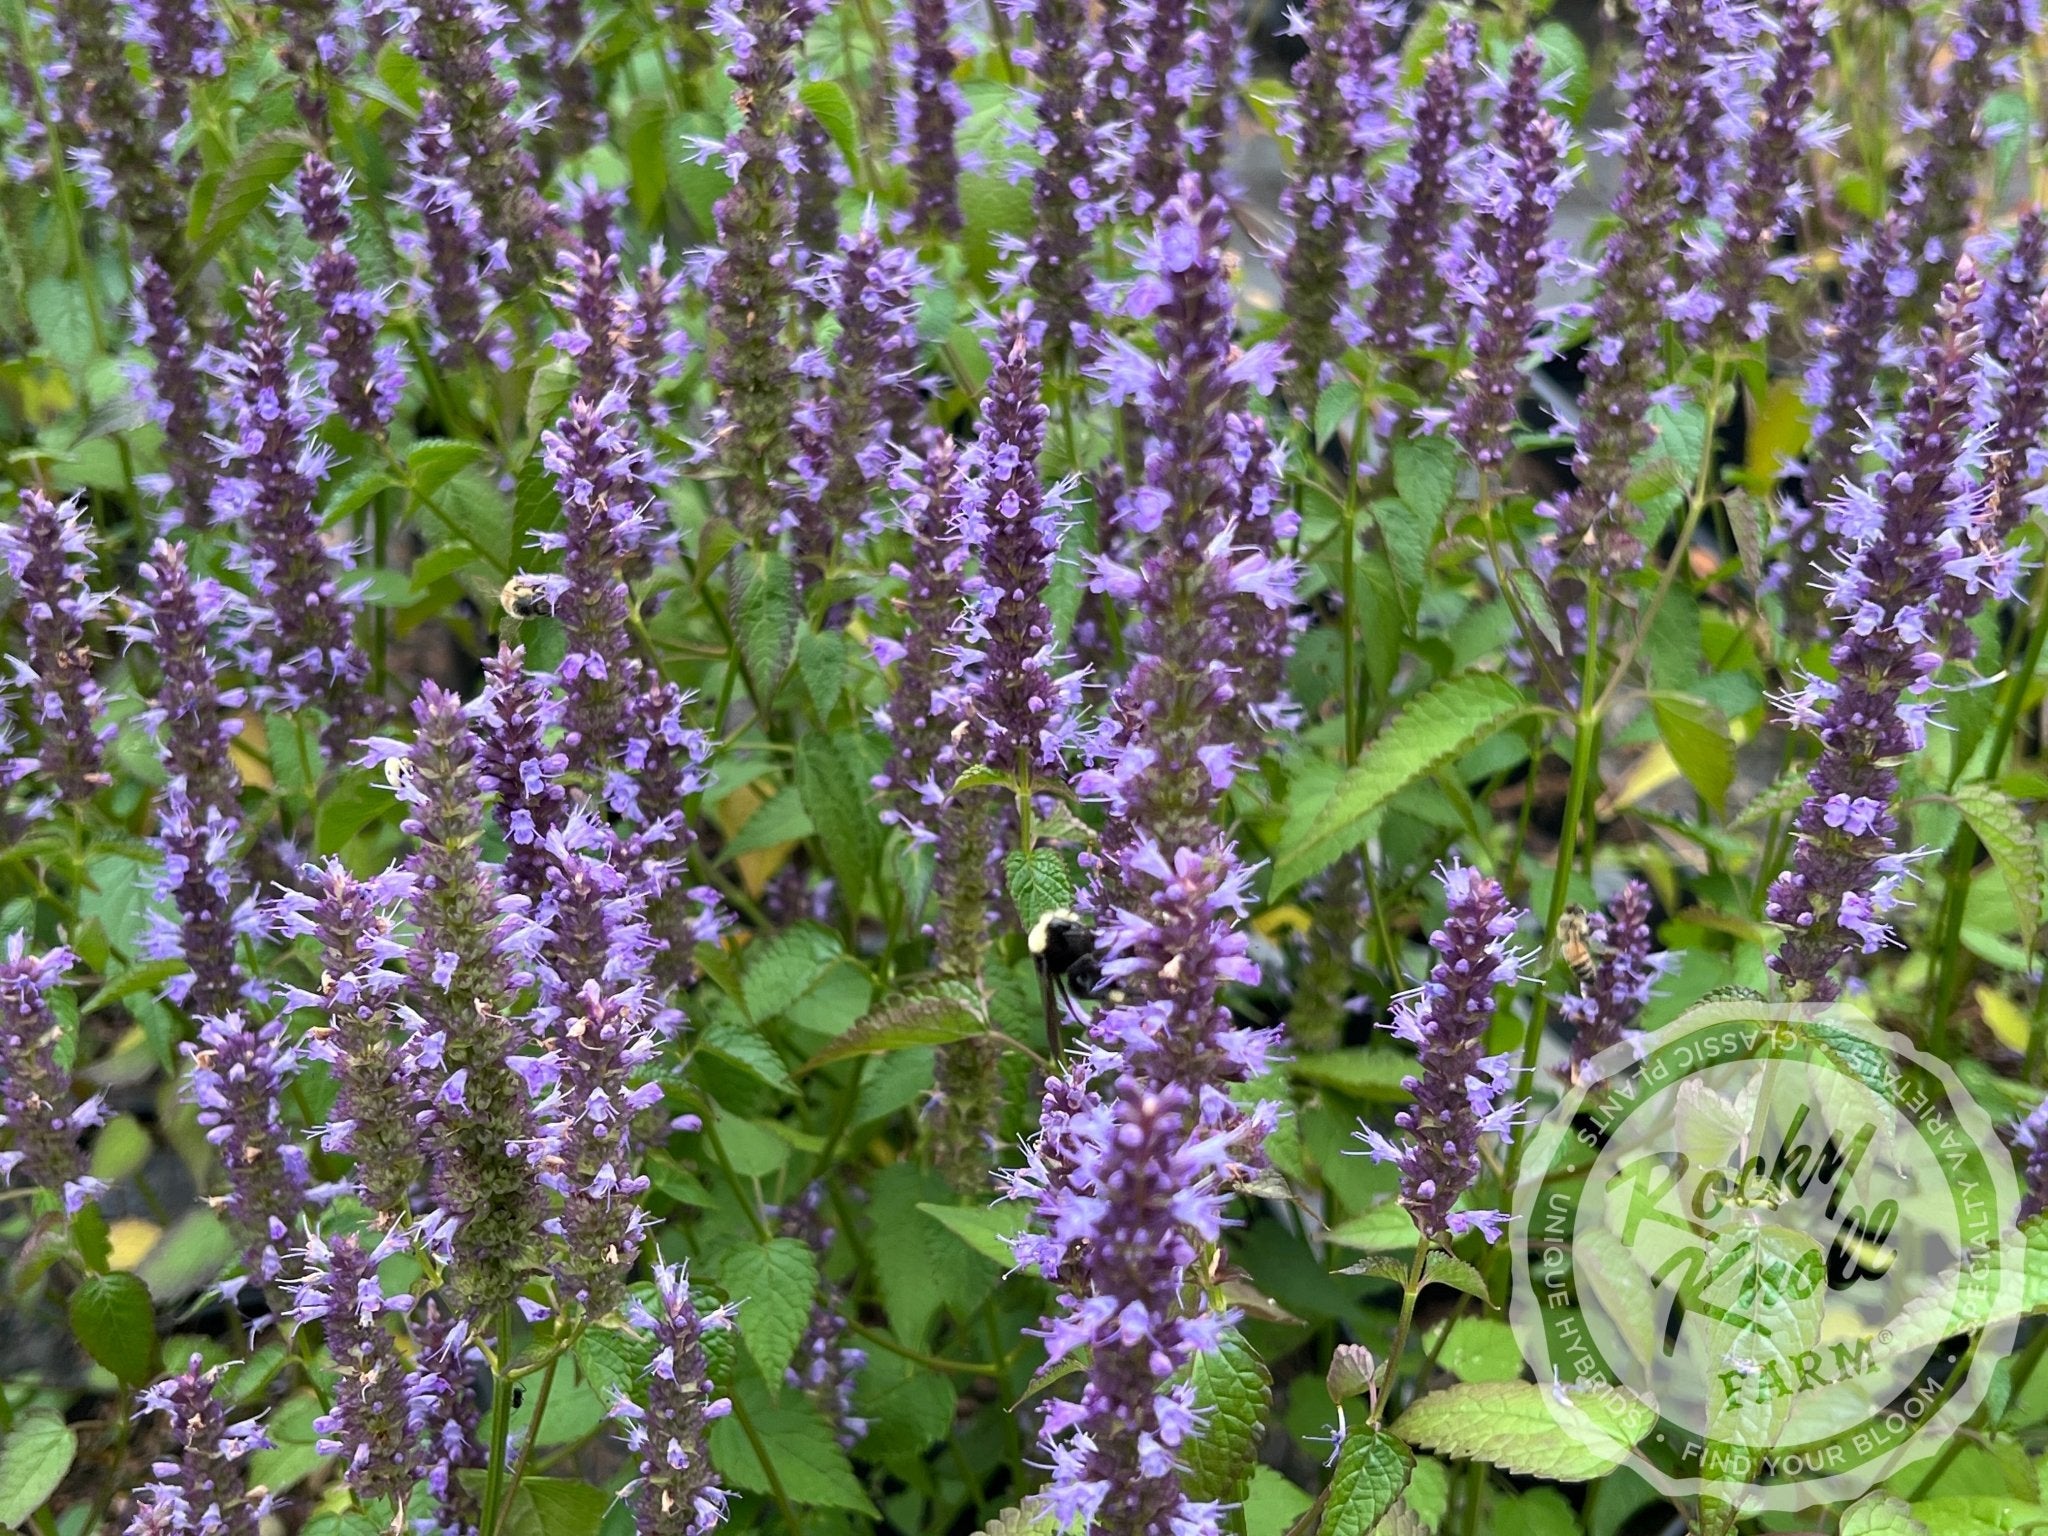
x,y
928,1018
355,493
827,101
773,1284
1530,1430
741,1044
1336,407
1372,1470
2002,827
1696,735
1481,1349
1783,798
113,1317
907,1409
1273,1504
34,1456
1038,884
1432,729
1233,1390
821,663
434,461
762,607
1442,1268
1383,1229
1746,522
612,1363
146,977
1031,1518
556,1506
808,1462
780,969
1375,1072
840,808
987,1229
262,165
1426,475
1880,1514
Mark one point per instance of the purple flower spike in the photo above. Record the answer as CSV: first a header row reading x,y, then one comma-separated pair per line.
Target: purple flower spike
x,y
175,395
1520,184
1067,189
356,924
1604,1010
362,376
239,1073
929,114
1132,1200
820,177
578,116
1595,520
452,251
302,643
120,162
36,1102
1841,384
1165,79
49,556
1897,541
370,1423
202,1488
1768,186
750,280
1006,627
1339,88
1460,1094
460,46
2015,287
185,43
2031,1137
476,1111
1416,201
844,437
446,1416
594,453
520,769
595,330
677,1493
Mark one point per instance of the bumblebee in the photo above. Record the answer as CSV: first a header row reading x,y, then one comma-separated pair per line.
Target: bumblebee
x,y
1577,947
525,596
1062,947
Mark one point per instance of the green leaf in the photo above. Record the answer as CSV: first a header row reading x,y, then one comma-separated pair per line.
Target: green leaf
x,y
146,977
840,808
1374,1072
247,184
349,805
1880,1514
1530,1430
1234,1390
821,663
1383,1229
1426,475
121,1147
2002,827
762,609
1783,798
1434,728
1372,1470
613,1363
799,1445
921,1267
34,1457
355,493
1441,1268
1038,883
294,1454
1697,737
908,1409
113,1317
434,461
741,1044
987,1229
780,969
1273,1504
924,1018
1336,407
1481,1349
556,1506
774,1284
780,819
1031,1518
827,101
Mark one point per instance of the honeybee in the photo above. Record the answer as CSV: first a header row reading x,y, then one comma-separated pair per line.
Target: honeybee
x,y
1577,947
526,596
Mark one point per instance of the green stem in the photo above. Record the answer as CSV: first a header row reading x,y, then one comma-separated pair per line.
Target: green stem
x,y
746,1424
1411,1289
919,1357
540,1409
501,1421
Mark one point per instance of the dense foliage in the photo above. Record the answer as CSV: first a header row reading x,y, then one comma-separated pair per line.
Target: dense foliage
x,y
809,767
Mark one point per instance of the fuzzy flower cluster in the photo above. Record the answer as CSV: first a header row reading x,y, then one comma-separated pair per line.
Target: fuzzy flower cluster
x,y
238,1078
452,256
302,643
376,1403
929,114
1068,188
202,1487
1604,1010
1461,1093
45,1118
174,389
363,376
1905,536
677,1492
49,557
1129,1190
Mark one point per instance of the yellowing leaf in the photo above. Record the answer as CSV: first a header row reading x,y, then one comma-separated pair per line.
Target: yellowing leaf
x,y
2004,1018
